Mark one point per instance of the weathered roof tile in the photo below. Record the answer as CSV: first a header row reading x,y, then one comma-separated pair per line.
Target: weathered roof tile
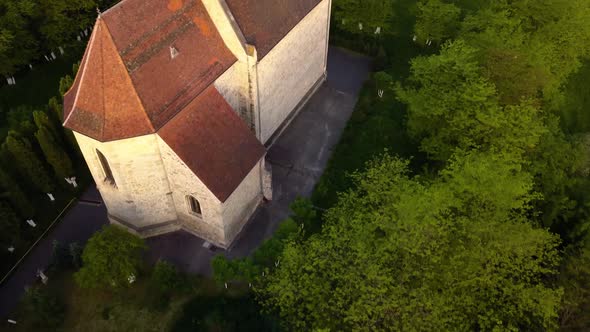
x,y
212,140
266,22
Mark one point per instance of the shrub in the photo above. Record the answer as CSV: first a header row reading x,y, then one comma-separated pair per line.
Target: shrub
x,y
110,258
43,309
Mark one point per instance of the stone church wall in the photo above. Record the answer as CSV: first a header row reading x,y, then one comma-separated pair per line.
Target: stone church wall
x,y
142,193
183,182
290,70
233,86
240,205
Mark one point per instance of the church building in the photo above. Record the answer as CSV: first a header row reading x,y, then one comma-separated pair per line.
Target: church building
x,y
176,101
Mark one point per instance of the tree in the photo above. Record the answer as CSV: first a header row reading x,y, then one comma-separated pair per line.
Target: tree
x,y
110,257
575,279
529,47
43,309
56,110
54,154
436,21
65,83
15,195
60,20
364,16
9,230
450,105
28,164
42,120
20,120
18,45
401,253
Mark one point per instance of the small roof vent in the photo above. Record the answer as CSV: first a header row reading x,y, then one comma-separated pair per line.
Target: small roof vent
x,y
173,52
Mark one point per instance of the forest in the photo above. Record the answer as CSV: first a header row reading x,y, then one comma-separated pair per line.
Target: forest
x,y
456,200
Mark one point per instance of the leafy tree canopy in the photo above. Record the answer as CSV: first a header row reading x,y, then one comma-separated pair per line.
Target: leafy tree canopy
x,y
364,16
110,257
401,253
451,105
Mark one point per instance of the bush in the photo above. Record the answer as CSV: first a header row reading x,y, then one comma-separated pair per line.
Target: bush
x,y
223,313
43,310
110,258
165,278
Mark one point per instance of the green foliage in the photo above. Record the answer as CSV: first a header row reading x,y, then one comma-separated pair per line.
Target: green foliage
x,y
264,258
43,309
65,84
54,153
20,120
436,21
9,229
30,28
60,20
28,163
41,120
397,253
530,46
364,16
164,281
575,279
165,278
15,195
56,111
452,106
223,314
110,257
17,43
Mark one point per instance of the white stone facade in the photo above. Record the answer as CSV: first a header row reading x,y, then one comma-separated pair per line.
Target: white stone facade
x,y
292,68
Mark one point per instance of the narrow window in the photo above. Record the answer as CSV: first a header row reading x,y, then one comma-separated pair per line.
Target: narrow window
x,y
194,205
108,173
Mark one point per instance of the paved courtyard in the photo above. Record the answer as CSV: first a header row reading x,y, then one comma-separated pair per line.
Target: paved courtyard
x,y
298,158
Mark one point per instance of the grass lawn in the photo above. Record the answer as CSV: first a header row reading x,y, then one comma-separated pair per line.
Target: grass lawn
x,y
35,87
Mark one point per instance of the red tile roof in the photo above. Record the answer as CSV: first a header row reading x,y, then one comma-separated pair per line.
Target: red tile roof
x,y
265,23
144,31
213,142
102,103
128,84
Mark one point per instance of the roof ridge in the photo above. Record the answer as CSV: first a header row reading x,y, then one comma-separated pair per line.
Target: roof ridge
x,y
83,65
128,75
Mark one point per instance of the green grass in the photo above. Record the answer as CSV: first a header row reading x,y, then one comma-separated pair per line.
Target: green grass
x,y
35,87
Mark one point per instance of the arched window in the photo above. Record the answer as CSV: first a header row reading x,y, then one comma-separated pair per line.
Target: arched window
x,y
194,205
108,173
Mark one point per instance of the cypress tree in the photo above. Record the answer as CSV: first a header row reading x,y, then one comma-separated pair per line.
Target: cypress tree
x,y
15,195
28,163
42,120
54,154
9,230
56,111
